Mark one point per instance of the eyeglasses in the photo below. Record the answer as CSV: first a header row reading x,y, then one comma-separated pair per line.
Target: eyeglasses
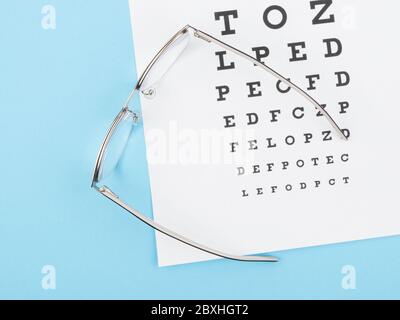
x,y
116,139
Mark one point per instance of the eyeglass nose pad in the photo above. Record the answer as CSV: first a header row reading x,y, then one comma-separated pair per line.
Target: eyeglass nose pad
x,y
149,93
135,116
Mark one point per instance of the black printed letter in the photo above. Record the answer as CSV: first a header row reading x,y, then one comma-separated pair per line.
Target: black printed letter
x,y
222,92
253,90
318,18
279,24
222,65
261,52
296,51
341,82
226,15
330,52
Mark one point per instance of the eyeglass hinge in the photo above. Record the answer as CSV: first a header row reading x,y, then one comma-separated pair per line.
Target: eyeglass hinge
x,y
105,190
197,34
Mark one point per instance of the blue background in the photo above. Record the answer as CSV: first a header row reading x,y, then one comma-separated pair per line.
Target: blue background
x,y
59,91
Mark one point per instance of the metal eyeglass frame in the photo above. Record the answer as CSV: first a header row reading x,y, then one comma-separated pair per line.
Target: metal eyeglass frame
x,y
105,191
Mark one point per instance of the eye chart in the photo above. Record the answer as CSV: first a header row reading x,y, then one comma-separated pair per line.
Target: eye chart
x,y
243,164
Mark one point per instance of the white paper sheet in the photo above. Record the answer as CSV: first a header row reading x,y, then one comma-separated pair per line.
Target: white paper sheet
x,y
199,193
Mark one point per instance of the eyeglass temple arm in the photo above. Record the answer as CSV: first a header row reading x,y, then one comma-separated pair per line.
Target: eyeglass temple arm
x,y
113,197
205,36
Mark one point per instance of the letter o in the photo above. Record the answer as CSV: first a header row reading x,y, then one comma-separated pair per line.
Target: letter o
x,y
290,140
300,163
276,25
